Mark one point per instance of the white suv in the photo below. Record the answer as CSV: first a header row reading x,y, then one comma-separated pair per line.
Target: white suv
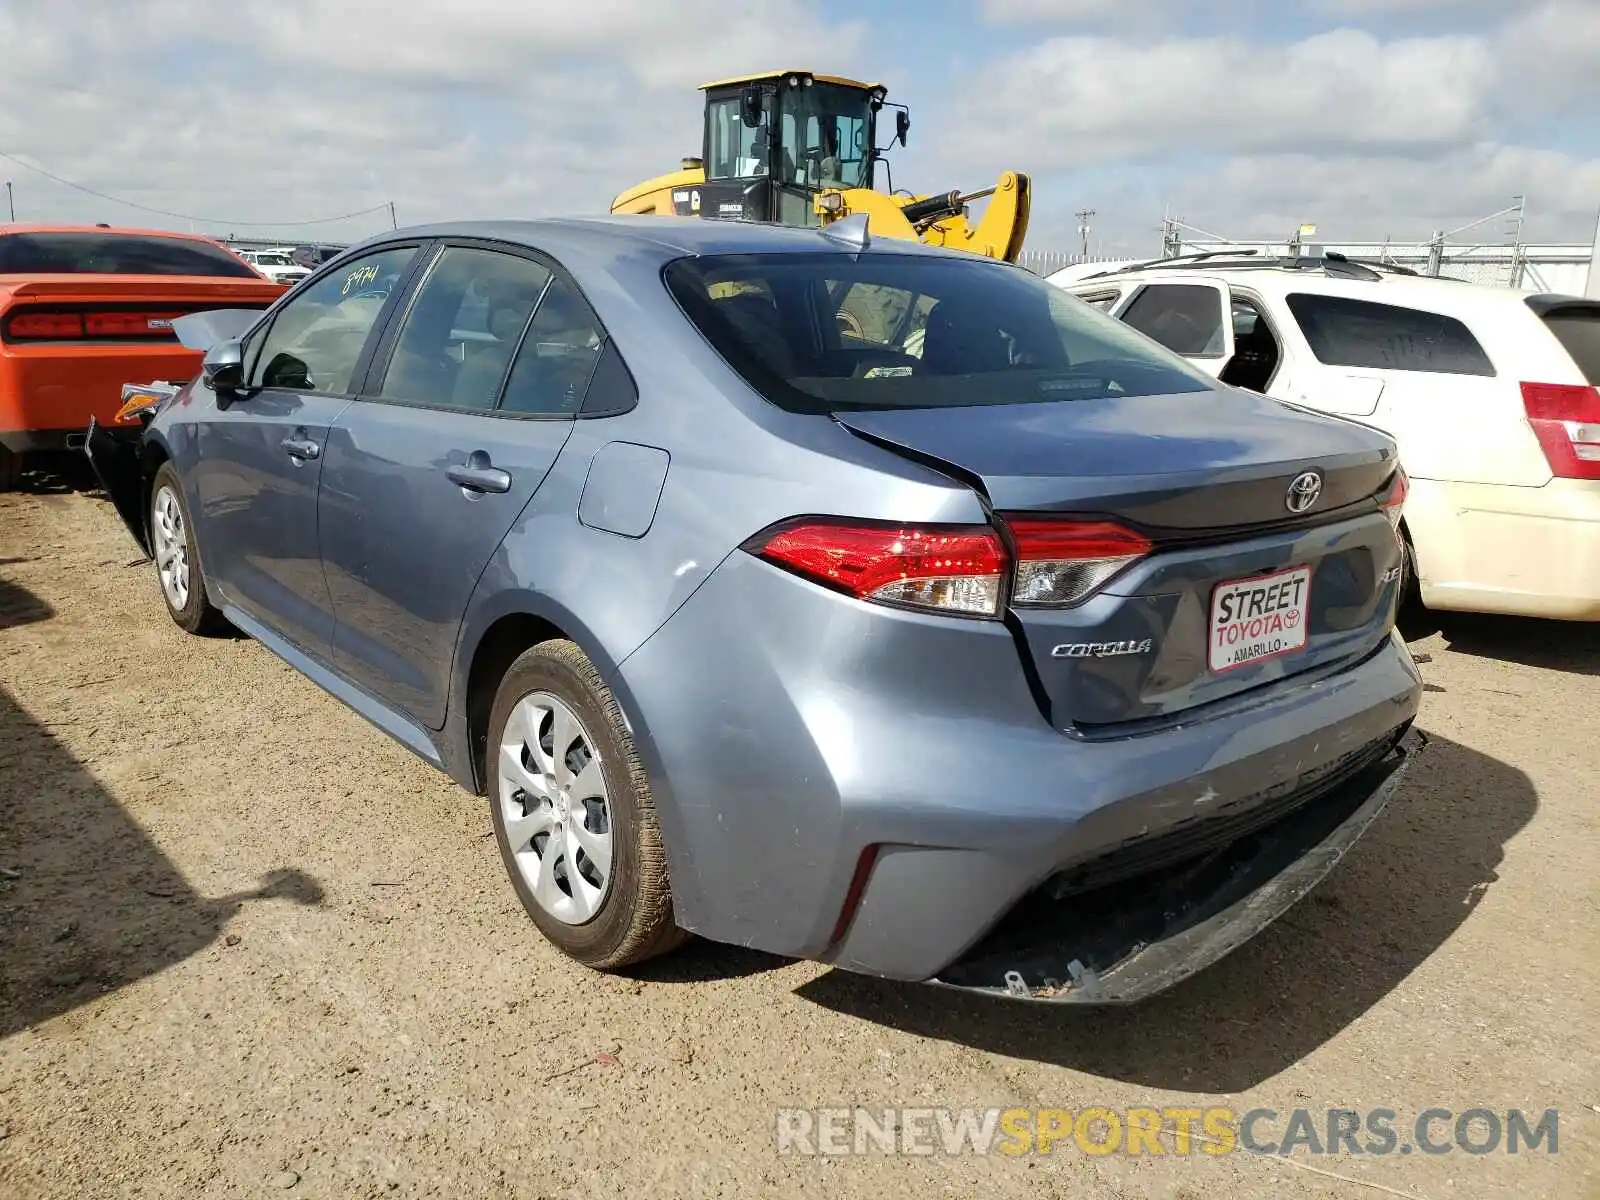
x,y
1490,394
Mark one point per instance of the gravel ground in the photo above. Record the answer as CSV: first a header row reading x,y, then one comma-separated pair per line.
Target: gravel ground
x,y
251,947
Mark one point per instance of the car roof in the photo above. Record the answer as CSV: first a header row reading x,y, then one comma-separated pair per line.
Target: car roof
x,y
108,230
603,239
1277,281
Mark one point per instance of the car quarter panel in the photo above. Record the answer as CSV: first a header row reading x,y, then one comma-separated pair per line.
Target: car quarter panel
x,y
795,727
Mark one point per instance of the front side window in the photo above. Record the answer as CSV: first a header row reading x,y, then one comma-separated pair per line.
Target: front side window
x,y
313,345
462,328
1185,318
1343,332
824,332
1104,301
825,136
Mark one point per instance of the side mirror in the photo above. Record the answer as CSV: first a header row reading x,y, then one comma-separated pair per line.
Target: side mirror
x,y
902,126
223,367
750,107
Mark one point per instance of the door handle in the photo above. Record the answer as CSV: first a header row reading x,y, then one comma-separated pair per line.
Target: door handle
x,y
478,474
301,447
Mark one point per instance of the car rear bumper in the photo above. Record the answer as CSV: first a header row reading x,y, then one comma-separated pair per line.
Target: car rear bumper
x,y
1135,940
51,390
1521,551
41,441
879,789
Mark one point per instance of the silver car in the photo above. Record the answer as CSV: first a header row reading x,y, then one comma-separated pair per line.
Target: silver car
x,y
845,598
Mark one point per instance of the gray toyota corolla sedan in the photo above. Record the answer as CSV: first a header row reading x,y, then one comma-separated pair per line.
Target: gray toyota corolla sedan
x,y
845,598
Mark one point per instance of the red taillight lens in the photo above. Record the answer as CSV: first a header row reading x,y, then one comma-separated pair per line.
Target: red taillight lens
x,y
1395,498
1566,419
948,569
129,324
44,326
1065,562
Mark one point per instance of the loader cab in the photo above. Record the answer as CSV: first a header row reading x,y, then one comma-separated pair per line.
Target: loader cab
x,y
774,142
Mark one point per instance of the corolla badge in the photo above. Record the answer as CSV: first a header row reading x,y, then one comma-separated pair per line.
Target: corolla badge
x,y
1100,649
1303,492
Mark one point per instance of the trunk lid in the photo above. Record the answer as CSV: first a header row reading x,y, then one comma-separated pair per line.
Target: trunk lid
x,y
1238,590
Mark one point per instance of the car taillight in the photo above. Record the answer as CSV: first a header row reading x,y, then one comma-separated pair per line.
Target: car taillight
x,y
44,326
1394,499
1566,419
1065,562
129,324
937,568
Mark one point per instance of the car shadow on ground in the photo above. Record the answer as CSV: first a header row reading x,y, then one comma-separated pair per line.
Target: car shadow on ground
x,y
87,902
55,473
19,606
1404,889
1572,647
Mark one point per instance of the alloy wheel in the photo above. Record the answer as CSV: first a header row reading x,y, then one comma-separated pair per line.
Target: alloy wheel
x,y
171,545
556,809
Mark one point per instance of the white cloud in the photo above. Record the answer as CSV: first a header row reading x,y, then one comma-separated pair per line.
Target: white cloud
x,y
1362,133
1359,197
301,109
1074,100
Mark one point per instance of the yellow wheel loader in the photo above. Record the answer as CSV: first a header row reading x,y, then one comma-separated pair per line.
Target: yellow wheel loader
x,y
796,148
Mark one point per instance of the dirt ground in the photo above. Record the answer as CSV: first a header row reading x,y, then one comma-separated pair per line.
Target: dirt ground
x,y
249,947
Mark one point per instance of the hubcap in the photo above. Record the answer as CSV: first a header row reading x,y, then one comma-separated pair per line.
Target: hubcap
x,y
171,547
556,810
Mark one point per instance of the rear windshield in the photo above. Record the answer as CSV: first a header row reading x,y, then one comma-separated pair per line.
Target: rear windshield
x,y
115,254
1579,331
821,333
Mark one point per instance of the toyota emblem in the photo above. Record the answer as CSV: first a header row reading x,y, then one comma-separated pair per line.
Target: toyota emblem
x,y
1303,492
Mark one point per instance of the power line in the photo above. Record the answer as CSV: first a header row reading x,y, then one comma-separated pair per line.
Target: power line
x,y
163,212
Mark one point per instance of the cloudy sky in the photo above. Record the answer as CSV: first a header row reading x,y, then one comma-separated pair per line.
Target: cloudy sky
x,y
1372,118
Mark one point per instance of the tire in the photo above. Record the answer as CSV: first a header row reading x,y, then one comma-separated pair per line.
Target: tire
x,y
1410,598
628,918
10,470
188,605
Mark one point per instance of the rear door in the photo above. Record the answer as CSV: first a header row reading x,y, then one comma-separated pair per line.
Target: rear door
x,y
260,454
462,418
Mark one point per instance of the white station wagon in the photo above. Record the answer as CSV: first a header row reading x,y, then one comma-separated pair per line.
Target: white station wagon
x,y
1489,392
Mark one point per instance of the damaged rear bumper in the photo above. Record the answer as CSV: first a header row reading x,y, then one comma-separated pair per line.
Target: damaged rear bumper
x,y
1125,942
117,458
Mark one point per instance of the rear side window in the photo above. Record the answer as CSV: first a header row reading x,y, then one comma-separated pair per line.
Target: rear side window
x,y
1357,333
1181,316
822,332
557,356
115,254
1578,330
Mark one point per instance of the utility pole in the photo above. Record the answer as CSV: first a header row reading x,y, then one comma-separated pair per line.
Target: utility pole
x,y
11,202
1083,232
394,224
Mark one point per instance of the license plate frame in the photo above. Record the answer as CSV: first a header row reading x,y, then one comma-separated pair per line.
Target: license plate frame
x,y
1222,655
